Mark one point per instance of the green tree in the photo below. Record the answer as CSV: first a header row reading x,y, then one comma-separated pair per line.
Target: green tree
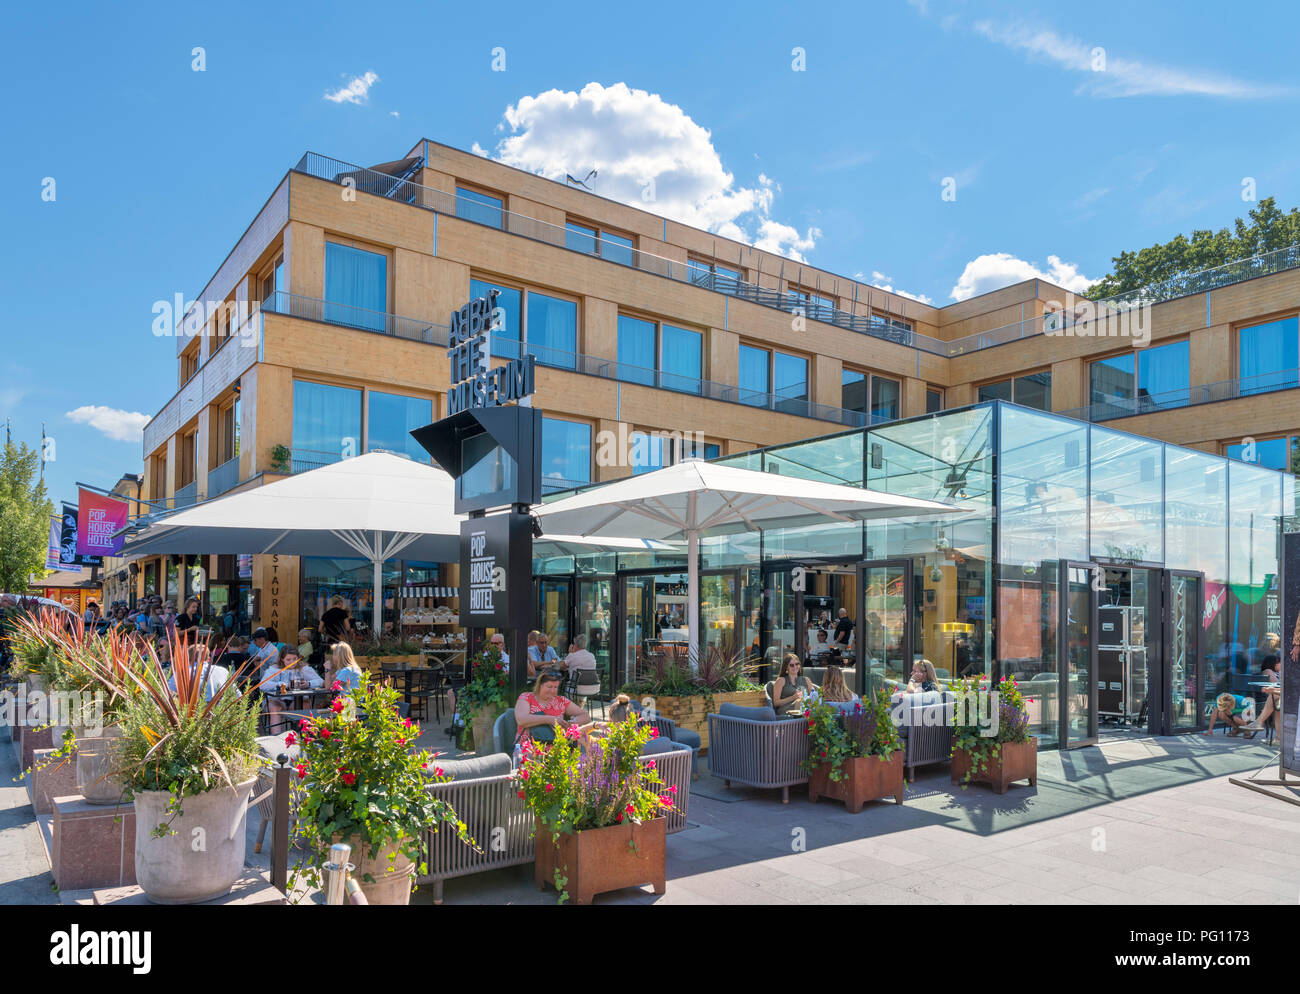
x,y
25,512
1267,229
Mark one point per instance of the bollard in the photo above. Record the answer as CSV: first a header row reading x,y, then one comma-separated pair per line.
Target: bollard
x,y
336,873
355,894
280,827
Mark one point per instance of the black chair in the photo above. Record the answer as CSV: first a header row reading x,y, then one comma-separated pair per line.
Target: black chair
x,y
420,686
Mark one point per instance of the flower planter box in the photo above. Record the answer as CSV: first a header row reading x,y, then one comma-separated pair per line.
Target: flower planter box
x,y
1014,761
692,712
603,859
374,663
865,778
392,879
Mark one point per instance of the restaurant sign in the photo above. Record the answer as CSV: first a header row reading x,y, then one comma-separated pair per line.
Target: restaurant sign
x,y
494,549
472,383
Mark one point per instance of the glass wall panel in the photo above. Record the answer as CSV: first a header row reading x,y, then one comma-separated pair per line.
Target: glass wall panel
x,y
504,342
356,282
836,459
353,579
326,424
636,350
853,390
478,207
1034,390
616,248
718,613
552,330
1127,497
580,238
754,384
1042,490
392,417
1254,509
1268,355
682,358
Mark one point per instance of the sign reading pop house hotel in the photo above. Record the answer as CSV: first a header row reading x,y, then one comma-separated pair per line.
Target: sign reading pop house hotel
x,y
472,383
492,549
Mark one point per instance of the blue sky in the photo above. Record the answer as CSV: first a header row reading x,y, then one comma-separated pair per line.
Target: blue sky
x,y
158,168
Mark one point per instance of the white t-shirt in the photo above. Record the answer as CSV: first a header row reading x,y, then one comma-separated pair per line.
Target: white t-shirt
x,y
580,659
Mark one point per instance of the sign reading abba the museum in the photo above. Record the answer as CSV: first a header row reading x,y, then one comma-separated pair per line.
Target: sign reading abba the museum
x,y
472,383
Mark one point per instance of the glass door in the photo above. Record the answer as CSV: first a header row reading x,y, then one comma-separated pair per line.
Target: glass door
x,y
882,633
1076,703
1183,649
638,624
777,635
595,620
718,613
554,604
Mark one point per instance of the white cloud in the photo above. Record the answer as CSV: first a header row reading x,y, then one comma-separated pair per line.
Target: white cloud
x,y
394,113
1120,77
120,426
356,92
882,282
996,270
648,153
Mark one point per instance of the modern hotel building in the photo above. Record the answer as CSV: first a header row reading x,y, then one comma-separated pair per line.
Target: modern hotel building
x,y
323,334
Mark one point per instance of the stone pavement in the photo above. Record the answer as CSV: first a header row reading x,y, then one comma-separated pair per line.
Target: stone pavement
x,y
24,871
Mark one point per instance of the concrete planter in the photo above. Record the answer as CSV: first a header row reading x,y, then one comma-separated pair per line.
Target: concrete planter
x,y
1013,761
97,758
392,880
482,729
692,712
864,778
603,859
204,854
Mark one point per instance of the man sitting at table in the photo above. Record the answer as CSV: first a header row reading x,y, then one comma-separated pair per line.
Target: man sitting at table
x,y
822,645
541,655
264,652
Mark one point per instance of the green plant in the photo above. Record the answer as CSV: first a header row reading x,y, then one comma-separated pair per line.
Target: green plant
x,y
835,735
970,733
718,672
486,691
364,784
281,459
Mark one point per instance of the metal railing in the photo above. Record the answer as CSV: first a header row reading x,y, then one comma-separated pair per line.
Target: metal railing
x,y
186,496
224,477
305,460
360,318
1264,264
1193,396
441,202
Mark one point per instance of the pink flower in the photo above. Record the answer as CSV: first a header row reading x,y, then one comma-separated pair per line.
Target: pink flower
x,y
337,706
349,778
336,686
325,733
650,765
521,795
401,742
654,733
290,739
672,789
665,800
524,773
550,787
437,770
302,771
406,723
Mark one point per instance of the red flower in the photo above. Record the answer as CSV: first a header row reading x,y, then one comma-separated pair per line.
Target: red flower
x,y
290,739
302,771
336,686
550,787
521,795
401,742
631,810
349,778
498,666
337,706
437,771
665,800
654,733
325,733
406,723
424,766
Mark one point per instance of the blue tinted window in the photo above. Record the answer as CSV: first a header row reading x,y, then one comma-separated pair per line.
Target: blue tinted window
x,y
853,390
392,418
478,207
326,424
566,454
647,452
1112,381
1268,355
1164,374
790,381
682,359
552,330
356,287
580,238
1273,453
754,386
616,248
699,272
506,341
884,399
636,350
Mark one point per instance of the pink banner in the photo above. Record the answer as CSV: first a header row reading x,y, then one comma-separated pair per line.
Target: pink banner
x,y
1216,595
98,517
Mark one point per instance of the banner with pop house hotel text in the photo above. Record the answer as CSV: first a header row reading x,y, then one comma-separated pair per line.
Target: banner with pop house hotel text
x,y
98,517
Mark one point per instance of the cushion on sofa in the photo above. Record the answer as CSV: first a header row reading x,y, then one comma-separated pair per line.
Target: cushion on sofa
x,y
730,710
476,767
658,745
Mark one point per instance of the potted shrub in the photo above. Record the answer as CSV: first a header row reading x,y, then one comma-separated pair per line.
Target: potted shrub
x,y
482,699
599,813
686,697
364,785
982,755
854,756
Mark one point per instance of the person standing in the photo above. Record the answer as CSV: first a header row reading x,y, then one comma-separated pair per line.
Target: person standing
x,y
189,618
336,623
843,638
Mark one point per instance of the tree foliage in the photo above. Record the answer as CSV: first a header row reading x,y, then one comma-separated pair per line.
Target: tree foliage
x,y
1267,229
25,511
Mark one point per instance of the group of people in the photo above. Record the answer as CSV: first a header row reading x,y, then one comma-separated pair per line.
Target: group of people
x,y
1238,711
792,690
151,616
542,655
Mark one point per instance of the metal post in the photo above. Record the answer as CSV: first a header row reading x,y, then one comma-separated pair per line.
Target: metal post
x,y
336,873
280,826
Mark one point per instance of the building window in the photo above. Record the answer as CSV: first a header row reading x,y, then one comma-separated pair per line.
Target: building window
x,y
579,237
933,401
682,359
1273,453
647,452
755,384
504,341
594,241
551,332
566,454
636,350
481,208
1268,356
1141,381
691,447
884,398
1034,390
790,383
228,433
356,287
189,364
353,580
326,424
616,248
390,418
857,386
723,279
273,280
185,464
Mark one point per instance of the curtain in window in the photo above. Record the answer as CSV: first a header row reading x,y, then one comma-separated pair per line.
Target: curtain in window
x,y
1163,374
392,418
356,287
1268,355
326,424
566,454
553,330
636,350
754,386
682,351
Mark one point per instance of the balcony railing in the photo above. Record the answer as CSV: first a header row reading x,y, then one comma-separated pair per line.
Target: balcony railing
x,y
223,478
186,496
315,309
305,460
1205,393
441,202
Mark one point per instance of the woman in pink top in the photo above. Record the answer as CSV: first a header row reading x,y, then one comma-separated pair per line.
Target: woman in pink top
x,y
544,707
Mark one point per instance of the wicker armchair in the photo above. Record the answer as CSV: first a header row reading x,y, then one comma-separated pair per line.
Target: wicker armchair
x,y
673,762
752,746
925,723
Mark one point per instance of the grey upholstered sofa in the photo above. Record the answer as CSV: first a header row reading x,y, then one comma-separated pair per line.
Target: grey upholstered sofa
x,y
752,746
925,723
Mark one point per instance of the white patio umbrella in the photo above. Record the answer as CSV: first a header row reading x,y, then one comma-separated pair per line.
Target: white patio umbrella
x,y
376,506
692,499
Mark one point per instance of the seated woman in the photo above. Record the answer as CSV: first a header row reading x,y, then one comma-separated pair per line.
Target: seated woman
x,y
924,678
834,689
289,668
1269,712
1235,711
791,686
342,667
541,712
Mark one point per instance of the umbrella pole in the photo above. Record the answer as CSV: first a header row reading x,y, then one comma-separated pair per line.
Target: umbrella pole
x,y
379,598
693,591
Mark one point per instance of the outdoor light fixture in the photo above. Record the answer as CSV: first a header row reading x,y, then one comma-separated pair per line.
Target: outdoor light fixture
x,y
1029,569
936,574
